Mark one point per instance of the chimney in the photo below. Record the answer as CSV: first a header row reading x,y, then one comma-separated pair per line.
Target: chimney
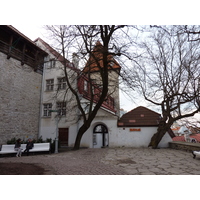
x,y
75,60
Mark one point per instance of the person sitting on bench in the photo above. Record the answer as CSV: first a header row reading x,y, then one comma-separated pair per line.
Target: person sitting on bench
x,y
18,148
29,145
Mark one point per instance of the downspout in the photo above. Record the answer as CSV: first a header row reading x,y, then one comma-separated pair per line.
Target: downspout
x,y
41,98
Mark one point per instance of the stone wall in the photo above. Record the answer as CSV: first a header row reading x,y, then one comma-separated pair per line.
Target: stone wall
x,y
20,90
186,146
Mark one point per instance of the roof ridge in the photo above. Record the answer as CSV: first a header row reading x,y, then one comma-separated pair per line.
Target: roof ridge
x,y
20,33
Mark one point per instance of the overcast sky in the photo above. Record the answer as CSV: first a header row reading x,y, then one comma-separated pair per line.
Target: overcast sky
x,y
35,31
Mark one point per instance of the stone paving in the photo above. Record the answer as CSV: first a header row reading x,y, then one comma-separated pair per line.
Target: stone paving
x,y
115,161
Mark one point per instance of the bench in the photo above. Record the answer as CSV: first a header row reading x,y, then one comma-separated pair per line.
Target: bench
x,y
196,153
9,148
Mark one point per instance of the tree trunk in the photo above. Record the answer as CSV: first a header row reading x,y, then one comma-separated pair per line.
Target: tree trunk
x,y
81,131
157,137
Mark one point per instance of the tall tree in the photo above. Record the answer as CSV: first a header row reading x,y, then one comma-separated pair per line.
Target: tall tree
x,y
169,76
96,46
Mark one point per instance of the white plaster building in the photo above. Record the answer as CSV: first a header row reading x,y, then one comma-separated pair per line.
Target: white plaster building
x,y
52,98
133,129
136,128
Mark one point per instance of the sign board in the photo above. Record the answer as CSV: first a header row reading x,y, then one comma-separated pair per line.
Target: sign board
x,y
135,129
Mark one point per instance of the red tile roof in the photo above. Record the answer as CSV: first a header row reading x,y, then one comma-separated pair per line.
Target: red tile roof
x,y
182,139
97,59
139,116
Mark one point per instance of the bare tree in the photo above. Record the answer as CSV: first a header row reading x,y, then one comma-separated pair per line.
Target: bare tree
x,y
97,47
168,76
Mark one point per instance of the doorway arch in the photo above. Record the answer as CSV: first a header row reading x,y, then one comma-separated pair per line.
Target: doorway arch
x,y
100,136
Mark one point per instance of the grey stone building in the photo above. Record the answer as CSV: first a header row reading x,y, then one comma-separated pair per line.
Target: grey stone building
x,y
21,66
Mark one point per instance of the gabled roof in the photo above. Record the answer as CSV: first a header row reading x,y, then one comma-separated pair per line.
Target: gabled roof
x,y
57,55
139,116
182,139
25,38
96,58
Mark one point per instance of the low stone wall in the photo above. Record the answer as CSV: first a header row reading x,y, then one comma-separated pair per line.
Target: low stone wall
x,y
187,146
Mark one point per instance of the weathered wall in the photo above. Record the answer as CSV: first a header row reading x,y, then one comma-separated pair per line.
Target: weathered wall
x,y
20,90
185,146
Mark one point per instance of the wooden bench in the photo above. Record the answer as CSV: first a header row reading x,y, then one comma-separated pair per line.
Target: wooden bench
x,y
196,153
9,148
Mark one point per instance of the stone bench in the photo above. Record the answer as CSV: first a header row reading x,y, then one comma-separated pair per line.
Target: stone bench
x,y
9,148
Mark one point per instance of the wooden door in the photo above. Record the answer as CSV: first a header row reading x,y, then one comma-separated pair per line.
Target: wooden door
x,y
63,136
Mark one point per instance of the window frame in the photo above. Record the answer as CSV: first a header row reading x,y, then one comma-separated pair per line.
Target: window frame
x,y
61,107
50,86
85,86
52,63
46,109
62,83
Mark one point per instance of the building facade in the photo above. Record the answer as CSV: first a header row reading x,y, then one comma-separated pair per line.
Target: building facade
x,y
58,98
136,128
35,98
21,63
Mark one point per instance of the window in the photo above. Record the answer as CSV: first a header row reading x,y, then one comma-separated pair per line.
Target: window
x,y
52,63
61,83
100,128
46,108
61,106
85,85
49,84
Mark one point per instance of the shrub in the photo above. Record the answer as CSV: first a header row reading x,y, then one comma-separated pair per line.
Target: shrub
x,y
12,141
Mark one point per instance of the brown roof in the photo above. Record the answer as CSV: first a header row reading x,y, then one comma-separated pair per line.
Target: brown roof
x,y
139,116
20,33
17,32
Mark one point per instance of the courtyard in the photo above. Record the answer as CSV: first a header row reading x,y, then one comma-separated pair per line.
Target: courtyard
x,y
106,161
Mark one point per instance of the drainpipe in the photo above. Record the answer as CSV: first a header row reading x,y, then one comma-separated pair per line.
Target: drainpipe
x,y
41,100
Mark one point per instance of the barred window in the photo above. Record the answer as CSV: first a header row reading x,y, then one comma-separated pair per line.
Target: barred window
x,y
61,106
46,109
61,83
49,85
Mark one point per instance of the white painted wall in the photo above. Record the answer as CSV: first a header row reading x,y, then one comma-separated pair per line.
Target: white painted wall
x,y
123,137
103,117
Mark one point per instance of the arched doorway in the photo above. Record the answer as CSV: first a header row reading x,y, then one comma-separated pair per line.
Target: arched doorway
x,y
100,136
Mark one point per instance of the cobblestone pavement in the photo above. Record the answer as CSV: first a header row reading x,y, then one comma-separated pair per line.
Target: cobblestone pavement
x,y
115,161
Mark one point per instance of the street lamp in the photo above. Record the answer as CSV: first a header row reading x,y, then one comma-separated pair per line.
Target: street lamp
x,y
56,139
